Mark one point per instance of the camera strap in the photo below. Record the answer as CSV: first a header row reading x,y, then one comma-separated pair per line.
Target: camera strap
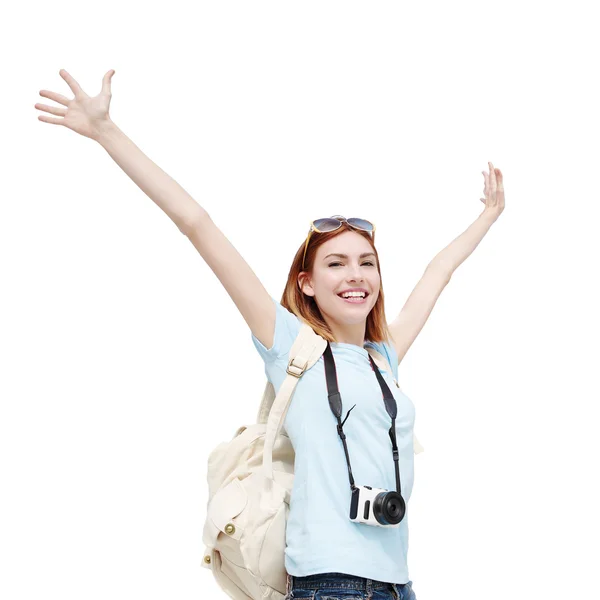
x,y
335,403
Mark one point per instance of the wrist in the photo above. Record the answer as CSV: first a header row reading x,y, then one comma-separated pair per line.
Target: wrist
x,y
104,131
489,214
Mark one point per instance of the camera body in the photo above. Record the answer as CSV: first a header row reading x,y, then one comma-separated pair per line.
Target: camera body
x,y
375,506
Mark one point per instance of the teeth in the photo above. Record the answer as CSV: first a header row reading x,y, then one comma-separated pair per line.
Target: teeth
x,y
354,295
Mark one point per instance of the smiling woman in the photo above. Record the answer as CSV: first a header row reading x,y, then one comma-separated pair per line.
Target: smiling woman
x,y
337,261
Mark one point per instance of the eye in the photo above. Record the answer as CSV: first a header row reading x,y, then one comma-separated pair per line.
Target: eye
x,y
365,263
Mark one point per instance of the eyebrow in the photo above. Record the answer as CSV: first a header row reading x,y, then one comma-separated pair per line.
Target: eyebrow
x,y
346,256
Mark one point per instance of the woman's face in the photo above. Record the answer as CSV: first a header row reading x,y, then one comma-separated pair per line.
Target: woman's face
x,y
334,274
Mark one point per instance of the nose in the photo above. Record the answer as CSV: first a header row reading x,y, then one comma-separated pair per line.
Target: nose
x,y
355,275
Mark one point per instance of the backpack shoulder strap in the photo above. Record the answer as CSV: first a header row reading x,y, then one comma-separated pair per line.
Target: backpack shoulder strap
x,y
304,353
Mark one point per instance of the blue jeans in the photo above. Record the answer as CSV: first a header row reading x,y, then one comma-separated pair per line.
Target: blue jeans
x,y
339,586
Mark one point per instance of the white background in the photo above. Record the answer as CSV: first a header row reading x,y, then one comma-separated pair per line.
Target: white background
x,y
125,362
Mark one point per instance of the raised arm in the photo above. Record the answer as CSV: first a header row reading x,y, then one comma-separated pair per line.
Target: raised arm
x,y
162,189
415,312
89,117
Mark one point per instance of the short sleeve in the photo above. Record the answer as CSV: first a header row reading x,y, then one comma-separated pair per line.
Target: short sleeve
x,y
287,328
388,351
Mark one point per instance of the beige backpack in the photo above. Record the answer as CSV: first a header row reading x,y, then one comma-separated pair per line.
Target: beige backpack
x,y
250,481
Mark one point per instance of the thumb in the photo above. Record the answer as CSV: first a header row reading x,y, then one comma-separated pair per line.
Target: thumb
x,y
106,82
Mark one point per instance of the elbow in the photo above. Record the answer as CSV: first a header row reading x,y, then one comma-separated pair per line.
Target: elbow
x,y
441,268
192,223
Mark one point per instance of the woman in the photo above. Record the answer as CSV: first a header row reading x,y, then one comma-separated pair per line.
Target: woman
x,y
335,286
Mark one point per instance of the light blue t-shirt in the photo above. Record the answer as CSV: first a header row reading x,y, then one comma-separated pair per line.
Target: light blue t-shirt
x,y
320,537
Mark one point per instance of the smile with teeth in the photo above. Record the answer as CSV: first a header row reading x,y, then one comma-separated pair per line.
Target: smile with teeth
x,y
354,297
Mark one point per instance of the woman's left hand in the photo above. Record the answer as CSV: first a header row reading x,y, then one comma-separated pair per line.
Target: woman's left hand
x,y
493,191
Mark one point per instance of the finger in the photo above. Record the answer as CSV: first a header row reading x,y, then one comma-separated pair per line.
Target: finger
x,y
106,82
56,97
492,177
54,110
51,120
486,183
500,192
75,87
499,179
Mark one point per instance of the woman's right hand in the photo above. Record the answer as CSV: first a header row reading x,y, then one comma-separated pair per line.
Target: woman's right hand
x,y
85,115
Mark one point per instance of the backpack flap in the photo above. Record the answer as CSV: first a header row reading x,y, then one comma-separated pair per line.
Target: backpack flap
x,y
226,504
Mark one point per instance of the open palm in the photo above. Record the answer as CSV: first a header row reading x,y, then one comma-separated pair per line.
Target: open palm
x,y
82,114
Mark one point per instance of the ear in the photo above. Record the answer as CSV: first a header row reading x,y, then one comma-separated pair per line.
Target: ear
x,y
305,285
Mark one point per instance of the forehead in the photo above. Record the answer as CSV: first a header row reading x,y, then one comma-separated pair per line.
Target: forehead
x,y
350,243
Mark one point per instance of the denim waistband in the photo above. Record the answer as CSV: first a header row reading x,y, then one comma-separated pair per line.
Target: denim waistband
x,y
322,581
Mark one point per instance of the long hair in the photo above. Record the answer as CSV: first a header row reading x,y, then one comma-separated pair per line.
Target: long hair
x,y
305,307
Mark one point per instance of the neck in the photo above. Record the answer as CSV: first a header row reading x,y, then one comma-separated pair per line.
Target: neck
x,y
349,334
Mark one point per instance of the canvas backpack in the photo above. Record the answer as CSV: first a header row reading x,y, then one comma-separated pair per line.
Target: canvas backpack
x,y
250,481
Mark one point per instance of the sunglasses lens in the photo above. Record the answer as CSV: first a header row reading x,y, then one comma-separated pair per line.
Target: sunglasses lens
x,y
327,224
361,224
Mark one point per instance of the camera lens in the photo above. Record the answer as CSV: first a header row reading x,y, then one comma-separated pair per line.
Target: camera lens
x,y
389,508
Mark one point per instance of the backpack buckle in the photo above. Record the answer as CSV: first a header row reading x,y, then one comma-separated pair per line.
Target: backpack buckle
x,y
296,369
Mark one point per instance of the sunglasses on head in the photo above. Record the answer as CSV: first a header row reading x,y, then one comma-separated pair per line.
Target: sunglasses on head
x,y
335,222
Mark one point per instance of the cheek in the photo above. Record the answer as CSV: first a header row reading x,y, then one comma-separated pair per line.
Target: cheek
x,y
331,279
